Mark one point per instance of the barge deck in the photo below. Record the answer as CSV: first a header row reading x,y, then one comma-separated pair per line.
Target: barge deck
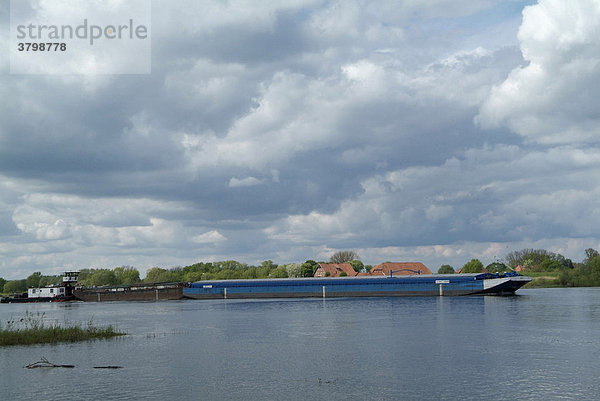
x,y
379,286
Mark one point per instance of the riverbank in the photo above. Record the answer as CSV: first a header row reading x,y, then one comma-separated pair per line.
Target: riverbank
x,y
543,280
580,276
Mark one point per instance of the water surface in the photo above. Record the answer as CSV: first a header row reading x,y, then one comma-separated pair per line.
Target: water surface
x,y
543,344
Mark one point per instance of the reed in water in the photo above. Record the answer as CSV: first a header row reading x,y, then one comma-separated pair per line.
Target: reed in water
x,y
33,330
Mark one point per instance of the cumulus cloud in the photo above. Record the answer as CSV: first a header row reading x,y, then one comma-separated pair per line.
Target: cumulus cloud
x,y
288,130
67,223
464,199
552,99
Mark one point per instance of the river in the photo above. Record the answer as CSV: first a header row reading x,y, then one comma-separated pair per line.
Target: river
x,y
542,344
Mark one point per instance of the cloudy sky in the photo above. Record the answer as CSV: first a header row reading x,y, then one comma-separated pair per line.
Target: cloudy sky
x,y
409,130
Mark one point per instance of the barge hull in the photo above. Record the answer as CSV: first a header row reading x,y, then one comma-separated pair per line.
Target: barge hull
x,y
132,293
423,285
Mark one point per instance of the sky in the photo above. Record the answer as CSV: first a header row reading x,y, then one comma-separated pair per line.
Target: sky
x,y
419,130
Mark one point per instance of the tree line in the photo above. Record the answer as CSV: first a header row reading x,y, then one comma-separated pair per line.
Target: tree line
x,y
586,273
128,275
228,269
564,272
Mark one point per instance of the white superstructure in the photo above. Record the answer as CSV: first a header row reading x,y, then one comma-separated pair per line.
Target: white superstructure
x,y
45,292
63,290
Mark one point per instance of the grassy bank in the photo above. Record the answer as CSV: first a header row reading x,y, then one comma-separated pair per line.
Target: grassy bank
x,y
542,279
580,276
32,330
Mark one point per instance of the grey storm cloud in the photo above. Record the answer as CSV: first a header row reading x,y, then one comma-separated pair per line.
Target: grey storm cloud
x,y
287,130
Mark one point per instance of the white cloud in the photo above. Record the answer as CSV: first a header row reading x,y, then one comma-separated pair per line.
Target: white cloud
x,y
206,16
243,182
295,113
199,84
108,222
552,99
483,196
341,20
209,237
436,212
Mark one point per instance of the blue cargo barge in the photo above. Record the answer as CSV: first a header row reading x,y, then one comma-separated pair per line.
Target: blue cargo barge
x,y
378,286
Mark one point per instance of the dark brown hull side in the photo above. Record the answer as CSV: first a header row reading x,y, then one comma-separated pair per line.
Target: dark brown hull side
x,y
150,294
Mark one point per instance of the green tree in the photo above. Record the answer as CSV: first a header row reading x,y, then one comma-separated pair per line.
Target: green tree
x,y
250,272
583,275
593,269
127,275
33,281
308,268
269,264
157,275
590,254
15,286
474,266
446,269
101,277
2,282
50,280
191,276
357,265
293,269
550,265
160,275
83,275
497,267
343,257
532,259
278,272
198,271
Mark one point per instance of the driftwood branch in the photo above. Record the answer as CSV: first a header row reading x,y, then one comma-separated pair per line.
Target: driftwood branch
x,y
44,363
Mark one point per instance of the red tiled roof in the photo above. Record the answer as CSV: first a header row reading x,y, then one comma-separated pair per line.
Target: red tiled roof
x,y
334,269
400,269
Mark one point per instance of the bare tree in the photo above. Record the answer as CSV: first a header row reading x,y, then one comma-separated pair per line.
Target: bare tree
x,y
590,254
343,256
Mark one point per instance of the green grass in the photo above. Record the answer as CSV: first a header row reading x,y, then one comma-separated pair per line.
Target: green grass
x,y
32,330
542,279
542,283
553,274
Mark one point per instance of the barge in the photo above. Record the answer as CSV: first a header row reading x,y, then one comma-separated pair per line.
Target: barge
x,y
378,286
134,292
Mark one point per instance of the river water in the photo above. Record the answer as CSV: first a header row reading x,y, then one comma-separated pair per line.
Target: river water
x,y
543,344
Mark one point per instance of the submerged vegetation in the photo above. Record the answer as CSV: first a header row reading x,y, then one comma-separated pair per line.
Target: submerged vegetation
x,y
33,330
